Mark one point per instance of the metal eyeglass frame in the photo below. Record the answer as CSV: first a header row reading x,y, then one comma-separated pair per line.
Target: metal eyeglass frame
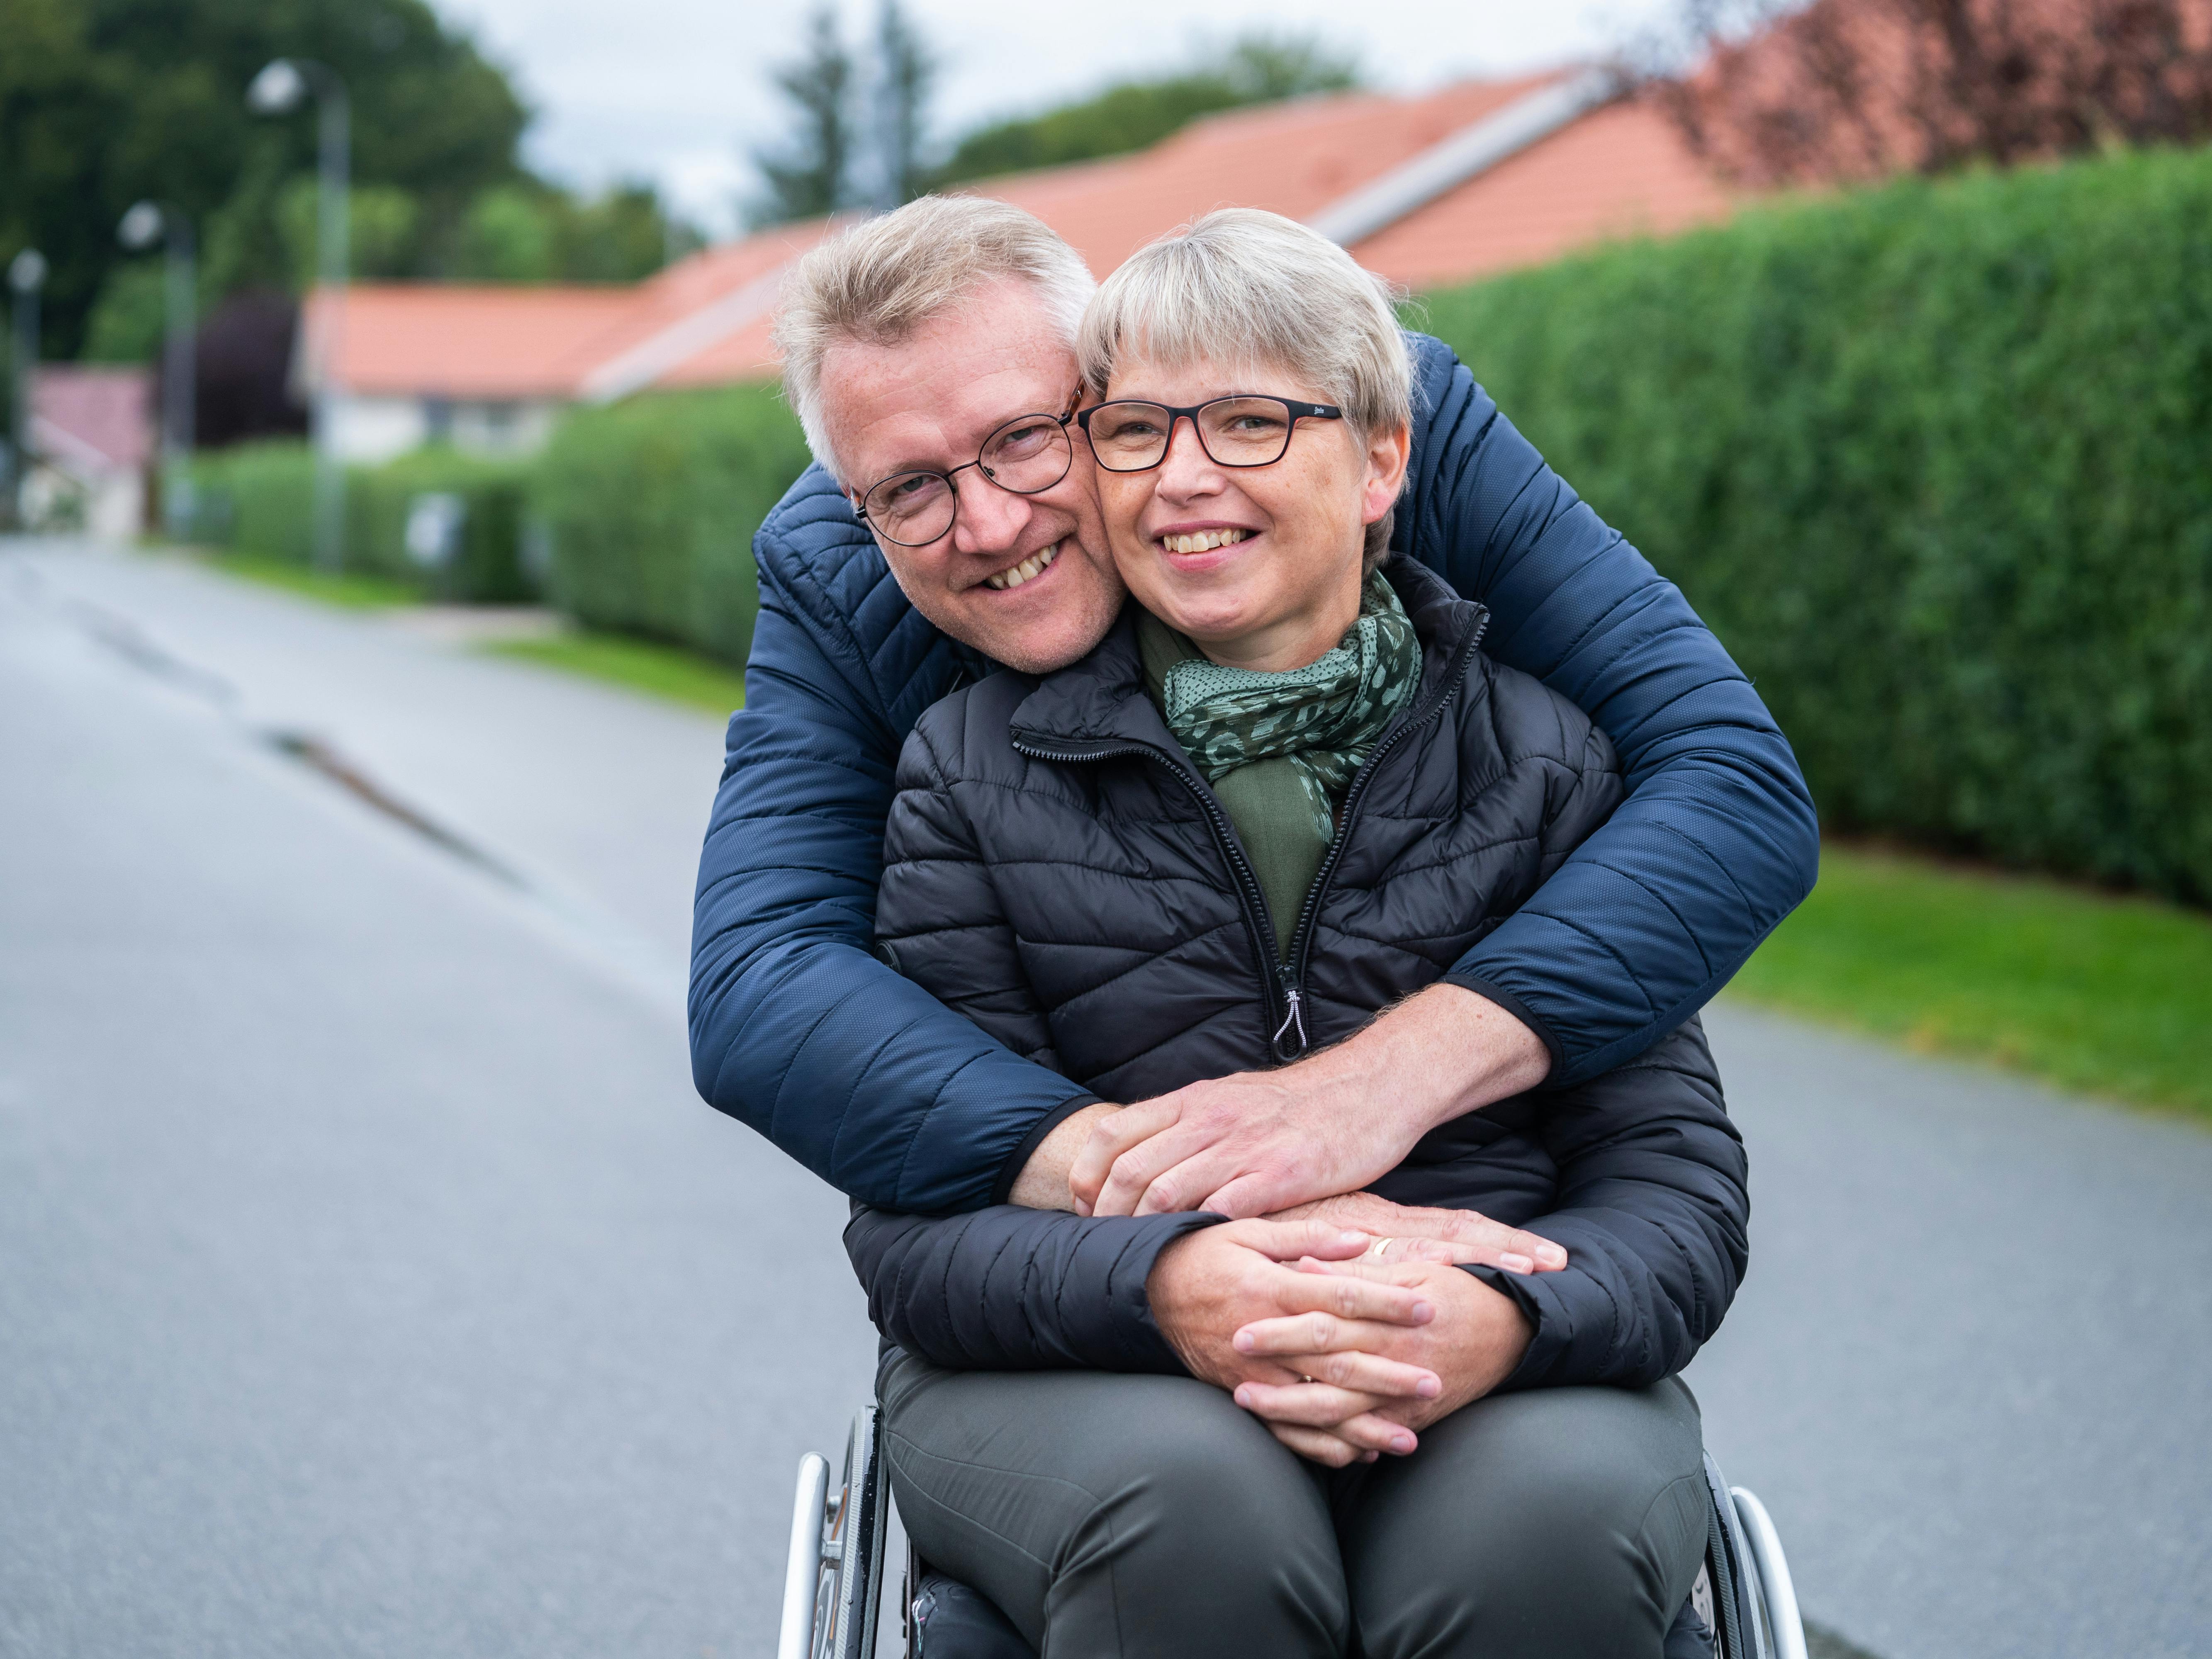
x,y
1298,411
1061,419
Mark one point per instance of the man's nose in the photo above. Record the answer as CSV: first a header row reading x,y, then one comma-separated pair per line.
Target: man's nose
x,y
1186,469
991,519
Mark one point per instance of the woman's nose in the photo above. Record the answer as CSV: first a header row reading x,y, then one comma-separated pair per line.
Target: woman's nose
x,y
1186,469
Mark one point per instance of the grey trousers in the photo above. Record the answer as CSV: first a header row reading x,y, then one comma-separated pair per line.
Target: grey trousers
x,y
1149,1516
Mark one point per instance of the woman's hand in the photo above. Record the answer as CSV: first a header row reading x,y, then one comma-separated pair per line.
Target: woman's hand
x,y
1207,1284
1405,1232
1473,1342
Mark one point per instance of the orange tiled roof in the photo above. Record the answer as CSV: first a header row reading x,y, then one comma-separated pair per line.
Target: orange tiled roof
x,y
1617,170
445,339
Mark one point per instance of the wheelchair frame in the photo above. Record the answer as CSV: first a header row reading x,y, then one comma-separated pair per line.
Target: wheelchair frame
x,y
834,1576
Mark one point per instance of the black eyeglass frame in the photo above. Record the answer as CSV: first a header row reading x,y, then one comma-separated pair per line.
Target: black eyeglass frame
x,y
860,502
1298,411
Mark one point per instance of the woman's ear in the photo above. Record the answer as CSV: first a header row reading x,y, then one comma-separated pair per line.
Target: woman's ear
x,y
1389,452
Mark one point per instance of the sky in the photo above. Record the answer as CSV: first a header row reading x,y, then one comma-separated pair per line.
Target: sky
x,y
676,91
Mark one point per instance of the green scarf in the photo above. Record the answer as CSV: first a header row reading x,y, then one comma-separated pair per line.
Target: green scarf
x,y
1324,718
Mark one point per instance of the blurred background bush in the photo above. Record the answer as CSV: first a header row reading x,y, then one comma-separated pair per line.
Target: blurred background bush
x,y
1932,458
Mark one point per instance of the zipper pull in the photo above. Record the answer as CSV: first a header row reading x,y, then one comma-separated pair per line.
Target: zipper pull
x,y
1293,1021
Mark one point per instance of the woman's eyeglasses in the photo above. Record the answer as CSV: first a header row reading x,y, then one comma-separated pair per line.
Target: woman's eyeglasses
x,y
1130,436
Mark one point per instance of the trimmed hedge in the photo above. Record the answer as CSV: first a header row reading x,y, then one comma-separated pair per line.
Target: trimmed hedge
x,y
1936,462
259,499
651,506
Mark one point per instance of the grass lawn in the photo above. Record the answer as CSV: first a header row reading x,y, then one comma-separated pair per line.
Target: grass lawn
x,y
665,670
352,590
2101,995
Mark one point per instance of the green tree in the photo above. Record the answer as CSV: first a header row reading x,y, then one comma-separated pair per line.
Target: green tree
x,y
904,72
104,101
1132,115
507,236
811,172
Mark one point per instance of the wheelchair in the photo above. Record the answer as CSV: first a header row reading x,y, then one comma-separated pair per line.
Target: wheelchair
x,y
1743,1605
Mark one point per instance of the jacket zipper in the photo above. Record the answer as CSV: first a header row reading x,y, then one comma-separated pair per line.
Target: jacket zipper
x,y
1257,922
1283,993
1294,971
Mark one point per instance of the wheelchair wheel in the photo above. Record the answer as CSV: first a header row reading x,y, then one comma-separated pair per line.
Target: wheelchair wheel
x,y
1754,1601
833,1576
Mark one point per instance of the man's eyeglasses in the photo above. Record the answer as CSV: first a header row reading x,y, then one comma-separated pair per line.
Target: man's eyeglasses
x,y
1027,456
1130,436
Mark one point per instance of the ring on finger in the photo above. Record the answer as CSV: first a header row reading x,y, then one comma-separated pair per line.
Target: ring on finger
x,y
1380,1250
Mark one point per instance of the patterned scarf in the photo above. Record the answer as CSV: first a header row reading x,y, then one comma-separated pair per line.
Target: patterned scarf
x,y
1323,718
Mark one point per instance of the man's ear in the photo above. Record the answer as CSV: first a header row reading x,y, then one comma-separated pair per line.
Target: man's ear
x,y
1389,453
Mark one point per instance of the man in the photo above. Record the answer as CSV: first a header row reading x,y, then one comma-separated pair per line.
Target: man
x,y
954,319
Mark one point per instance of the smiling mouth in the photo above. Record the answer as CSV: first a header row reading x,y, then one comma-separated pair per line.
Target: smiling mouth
x,y
1204,541
1027,570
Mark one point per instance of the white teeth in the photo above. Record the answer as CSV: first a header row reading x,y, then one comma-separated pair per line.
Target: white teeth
x,y
1203,541
1032,566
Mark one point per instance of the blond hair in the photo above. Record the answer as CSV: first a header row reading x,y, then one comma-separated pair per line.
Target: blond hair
x,y
890,276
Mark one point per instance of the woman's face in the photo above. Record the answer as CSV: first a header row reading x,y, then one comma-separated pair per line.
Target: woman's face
x,y
1259,565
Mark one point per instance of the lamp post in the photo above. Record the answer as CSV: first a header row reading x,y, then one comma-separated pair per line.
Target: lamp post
x,y
27,275
140,226
282,85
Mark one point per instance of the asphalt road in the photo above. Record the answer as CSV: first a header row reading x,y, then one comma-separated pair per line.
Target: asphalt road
x,y
376,1284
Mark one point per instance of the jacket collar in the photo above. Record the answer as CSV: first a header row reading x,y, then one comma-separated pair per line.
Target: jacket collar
x,y
1099,702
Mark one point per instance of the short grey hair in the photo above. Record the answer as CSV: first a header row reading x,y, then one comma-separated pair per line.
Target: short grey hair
x,y
888,277
1254,289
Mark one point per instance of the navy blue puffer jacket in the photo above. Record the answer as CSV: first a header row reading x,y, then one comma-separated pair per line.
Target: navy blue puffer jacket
x,y
798,1028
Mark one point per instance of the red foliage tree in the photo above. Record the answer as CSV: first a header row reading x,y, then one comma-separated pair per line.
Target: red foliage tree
x,y
1841,89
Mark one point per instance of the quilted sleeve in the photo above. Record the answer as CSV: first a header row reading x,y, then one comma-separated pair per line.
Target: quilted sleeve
x,y
798,1028
1717,840
1006,1289
1654,1209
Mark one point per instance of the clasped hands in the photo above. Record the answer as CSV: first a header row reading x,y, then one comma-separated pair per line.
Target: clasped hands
x,y
1344,1352
1341,1319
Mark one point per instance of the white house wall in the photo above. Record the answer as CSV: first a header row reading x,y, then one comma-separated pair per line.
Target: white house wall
x,y
367,430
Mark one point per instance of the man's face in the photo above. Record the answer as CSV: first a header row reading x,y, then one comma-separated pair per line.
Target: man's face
x,y
1027,580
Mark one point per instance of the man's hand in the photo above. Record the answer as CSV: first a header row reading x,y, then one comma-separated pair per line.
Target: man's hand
x,y
1261,1141
1472,1345
1207,1284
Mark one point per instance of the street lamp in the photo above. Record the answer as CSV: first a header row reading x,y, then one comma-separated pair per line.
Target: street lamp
x,y
144,223
283,85
27,275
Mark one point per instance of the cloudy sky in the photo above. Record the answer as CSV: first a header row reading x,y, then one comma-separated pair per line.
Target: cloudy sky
x,y
677,90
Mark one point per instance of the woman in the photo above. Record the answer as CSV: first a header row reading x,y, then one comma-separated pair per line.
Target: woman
x,y
1285,791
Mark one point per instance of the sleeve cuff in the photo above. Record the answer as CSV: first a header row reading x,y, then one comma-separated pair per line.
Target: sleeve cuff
x,y
1010,1172
1535,1359
1520,1011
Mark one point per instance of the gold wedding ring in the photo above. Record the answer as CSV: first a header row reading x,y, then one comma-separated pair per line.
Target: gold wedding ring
x,y
1380,1250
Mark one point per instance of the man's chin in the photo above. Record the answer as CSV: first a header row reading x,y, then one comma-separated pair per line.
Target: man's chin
x,y
1037,638
1046,649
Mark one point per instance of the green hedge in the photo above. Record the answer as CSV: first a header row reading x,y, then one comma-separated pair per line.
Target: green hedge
x,y
259,499
1935,461
651,505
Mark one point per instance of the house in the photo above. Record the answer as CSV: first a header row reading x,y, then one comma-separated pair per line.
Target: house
x,y
91,442
1428,190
